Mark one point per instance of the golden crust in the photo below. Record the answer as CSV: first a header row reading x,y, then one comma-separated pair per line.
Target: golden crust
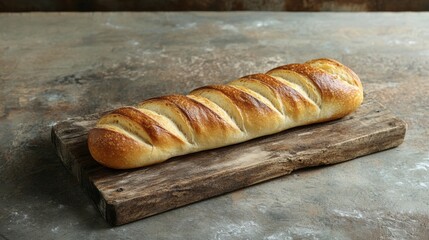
x,y
337,96
115,150
219,115
242,106
292,102
156,134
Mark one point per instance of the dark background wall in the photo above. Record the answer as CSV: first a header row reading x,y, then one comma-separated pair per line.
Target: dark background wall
x,y
213,5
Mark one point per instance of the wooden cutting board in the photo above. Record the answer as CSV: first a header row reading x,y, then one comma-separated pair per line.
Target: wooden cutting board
x,y
123,196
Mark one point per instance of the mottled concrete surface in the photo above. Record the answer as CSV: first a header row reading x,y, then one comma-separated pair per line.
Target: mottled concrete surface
x,y
56,66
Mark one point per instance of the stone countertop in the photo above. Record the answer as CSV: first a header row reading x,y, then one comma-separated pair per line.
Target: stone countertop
x,y
60,65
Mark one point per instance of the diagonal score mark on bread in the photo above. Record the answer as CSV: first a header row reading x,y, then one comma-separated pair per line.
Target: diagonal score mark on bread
x,y
219,115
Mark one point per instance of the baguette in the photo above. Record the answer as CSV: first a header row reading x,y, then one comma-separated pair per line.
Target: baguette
x,y
219,115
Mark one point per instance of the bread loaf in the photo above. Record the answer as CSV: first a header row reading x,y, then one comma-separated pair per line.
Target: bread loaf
x,y
219,115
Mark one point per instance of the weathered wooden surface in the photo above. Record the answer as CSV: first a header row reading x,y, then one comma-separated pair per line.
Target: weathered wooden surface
x,y
125,196
59,66
213,5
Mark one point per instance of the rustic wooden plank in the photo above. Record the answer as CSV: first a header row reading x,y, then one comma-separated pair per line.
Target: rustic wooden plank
x,y
123,196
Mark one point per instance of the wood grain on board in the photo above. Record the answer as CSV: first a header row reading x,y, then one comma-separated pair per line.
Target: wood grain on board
x,y
123,196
